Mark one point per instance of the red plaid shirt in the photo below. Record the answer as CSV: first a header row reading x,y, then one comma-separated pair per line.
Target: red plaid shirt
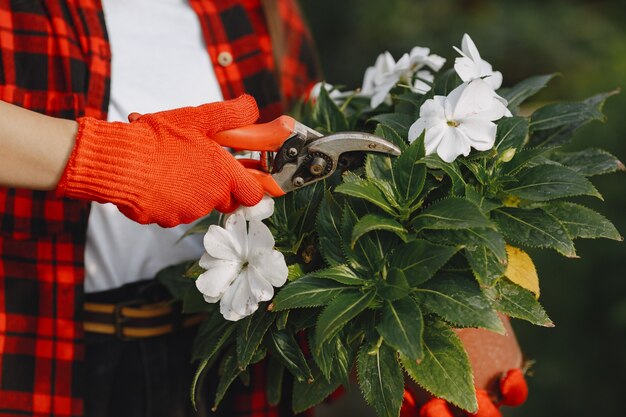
x,y
55,59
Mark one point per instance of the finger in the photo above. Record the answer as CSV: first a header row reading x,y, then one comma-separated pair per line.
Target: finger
x,y
134,116
267,182
513,388
227,205
248,191
436,407
486,407
215,117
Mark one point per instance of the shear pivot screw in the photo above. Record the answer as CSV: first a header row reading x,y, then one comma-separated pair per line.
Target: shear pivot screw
x,y
291,152
298,181
317,166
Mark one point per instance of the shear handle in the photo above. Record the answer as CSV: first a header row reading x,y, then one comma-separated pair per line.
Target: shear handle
x,y
266,180
258,137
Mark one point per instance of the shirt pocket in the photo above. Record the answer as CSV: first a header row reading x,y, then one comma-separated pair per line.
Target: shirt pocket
x,y
26,214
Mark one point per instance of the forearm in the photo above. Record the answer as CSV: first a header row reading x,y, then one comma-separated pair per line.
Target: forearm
x,y
34,148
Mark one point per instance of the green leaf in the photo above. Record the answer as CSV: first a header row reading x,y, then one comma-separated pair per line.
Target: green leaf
x,y
378,166
250,334
295,272
368,252
486,266
339,312
195,380
323,355
534,228
589,162
380,379
274,382
450,169
328,227
485,204
420,260
394,287
582,222
408,174
555,124
194,302
344,358
285,348
202,225
328,115
445,370
308,291
470,238
549,182
371,222
511,133
211,339
517,94
515,301
446,82
398,122
402,327
367,190
459,300
451,213
172,279
229,371
391,134
307,395
340,273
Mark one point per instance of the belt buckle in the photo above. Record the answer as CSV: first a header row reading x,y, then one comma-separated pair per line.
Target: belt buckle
x,y
120,319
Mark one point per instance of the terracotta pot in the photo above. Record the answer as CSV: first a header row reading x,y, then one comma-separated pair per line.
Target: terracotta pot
x,y
491,354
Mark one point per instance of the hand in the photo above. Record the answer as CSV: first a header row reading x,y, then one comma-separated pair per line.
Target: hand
x,y
512,392
496,360
163,167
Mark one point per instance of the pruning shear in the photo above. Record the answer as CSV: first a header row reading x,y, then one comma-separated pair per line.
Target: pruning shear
x,y
293,155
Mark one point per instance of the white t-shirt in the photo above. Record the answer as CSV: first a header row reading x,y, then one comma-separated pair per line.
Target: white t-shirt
x,y
159,62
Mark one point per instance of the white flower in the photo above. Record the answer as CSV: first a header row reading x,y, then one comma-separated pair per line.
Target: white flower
x,y
420,57
386,73
380,79
460,121
471,66
241,267
261,211
335,94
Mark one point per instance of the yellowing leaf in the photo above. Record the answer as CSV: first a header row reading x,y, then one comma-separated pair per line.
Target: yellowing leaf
x,y
521,270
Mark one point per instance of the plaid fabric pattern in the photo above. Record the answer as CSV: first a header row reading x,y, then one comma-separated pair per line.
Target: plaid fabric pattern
x,y
55,59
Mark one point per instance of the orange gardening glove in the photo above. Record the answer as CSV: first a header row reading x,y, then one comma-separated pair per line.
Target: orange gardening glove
x,y
163,167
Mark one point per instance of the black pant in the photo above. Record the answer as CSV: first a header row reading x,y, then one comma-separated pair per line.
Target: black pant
x,y
148,377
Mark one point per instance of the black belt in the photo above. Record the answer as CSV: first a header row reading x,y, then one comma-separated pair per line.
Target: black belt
x,y
135,311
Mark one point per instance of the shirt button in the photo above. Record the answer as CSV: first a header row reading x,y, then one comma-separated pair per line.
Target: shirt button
x,y
225,58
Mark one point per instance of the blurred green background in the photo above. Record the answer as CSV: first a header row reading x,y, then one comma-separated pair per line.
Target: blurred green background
x,y
581,364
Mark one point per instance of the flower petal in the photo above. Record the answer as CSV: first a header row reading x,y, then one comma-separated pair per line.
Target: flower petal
x,y
417,128
481,133
382,90
469,48
477,99
453,144
237,227
238,296
259,287
259,237
263,210
466,69
433,137
219,243
214,282
271,266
